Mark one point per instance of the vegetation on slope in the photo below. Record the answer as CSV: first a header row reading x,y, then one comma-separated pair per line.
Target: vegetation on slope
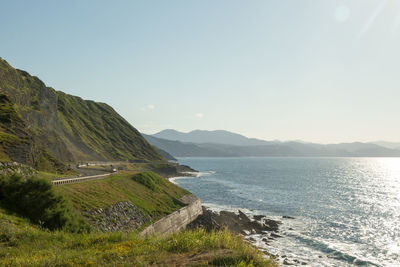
x,y
64,127
12,129
24,244
154,195
17,142
98,128
37,200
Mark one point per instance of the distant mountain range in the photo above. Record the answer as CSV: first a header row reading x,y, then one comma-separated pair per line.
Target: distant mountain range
x,y
216,137
391,145
221,143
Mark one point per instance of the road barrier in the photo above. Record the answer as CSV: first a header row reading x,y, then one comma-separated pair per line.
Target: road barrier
x,y
80,179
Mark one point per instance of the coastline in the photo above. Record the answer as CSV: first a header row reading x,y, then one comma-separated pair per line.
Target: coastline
x,y
260,230
332,227
257,229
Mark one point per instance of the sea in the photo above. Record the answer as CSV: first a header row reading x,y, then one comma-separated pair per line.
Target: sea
x,y
346,210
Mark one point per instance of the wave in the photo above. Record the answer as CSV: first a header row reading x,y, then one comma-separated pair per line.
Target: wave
x,y
204,173
192,175
331,252
310,246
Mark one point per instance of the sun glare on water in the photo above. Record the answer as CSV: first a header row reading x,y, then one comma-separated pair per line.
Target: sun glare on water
x,y
385,176
388,168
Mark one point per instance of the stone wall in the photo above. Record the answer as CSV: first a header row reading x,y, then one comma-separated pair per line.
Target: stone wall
x,y
177,220
122,216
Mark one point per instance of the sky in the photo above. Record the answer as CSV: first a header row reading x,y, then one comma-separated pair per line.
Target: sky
x,y
313,70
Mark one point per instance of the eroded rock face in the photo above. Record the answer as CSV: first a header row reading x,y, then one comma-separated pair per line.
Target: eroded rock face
x,y
122,216
10,168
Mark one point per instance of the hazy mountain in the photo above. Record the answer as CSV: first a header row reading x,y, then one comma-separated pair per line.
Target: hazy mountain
x,y
266,149
49,126
218,137
180,149
165,154
392,145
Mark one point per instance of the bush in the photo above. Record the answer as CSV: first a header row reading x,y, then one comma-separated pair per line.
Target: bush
x,y
37,200
150,180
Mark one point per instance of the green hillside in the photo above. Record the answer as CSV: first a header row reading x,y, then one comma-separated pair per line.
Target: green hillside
x,y
63,127
153,194
25,244
17,143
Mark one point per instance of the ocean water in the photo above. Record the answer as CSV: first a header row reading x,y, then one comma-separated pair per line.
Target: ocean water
x,y
346,210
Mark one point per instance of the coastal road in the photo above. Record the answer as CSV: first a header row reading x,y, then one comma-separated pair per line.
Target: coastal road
x,y
81,179
87,169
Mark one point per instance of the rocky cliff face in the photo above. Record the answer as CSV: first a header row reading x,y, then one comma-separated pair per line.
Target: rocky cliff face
x,y
17,141
66,128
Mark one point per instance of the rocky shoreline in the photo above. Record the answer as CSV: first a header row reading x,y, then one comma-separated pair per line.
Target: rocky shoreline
x,y
266,229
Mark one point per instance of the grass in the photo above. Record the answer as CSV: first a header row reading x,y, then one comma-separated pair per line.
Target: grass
x,y
157,201
53,176
23,244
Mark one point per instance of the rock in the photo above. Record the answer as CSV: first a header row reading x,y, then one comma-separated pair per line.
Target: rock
x,y
271,225
10,168
237,223
287,217
275,235
243,216
122,216
258,217
286,262
245,232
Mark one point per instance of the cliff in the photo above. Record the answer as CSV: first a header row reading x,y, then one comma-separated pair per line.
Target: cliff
x,y
61,127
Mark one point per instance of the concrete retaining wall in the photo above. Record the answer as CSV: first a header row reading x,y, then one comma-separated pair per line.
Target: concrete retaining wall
x,y
177,220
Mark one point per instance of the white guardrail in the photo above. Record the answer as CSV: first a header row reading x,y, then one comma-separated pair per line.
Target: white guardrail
x,y
80,179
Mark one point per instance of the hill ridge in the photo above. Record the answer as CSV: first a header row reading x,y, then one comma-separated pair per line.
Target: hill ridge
x,y
206,136
67,127
185,148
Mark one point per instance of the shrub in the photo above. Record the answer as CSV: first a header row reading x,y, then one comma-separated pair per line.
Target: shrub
x,y
150,180
37,200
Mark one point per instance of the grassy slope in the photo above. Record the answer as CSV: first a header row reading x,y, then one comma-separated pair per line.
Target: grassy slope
x,y
12,130
24,244
68,128
53,176
17,142
101,130
156,202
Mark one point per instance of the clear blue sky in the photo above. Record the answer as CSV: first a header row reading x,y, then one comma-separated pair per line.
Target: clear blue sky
x,y
316,70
